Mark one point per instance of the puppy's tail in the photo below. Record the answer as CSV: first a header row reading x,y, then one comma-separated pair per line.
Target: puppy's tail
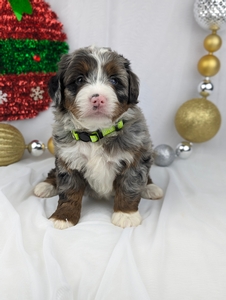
x,y
47,188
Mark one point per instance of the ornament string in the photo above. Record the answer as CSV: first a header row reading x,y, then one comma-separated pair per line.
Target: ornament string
x,y
198,120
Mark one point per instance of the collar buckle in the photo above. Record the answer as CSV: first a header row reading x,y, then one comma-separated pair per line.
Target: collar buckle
x,y
86,136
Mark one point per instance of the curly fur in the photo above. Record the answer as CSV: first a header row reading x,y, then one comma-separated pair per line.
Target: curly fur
x,y
117,165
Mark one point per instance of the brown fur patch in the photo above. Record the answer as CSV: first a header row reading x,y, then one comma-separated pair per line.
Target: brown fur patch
x,y
136,160
51,177
136,157
63,166
124,202
137,154
71,186
149,180
83,65
70,105
111,68
119,110
70,209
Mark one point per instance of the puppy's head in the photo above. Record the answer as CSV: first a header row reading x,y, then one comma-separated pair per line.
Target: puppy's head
x,y
96,85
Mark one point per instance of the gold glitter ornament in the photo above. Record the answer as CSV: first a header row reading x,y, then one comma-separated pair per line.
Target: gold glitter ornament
x,y
12,145
198,120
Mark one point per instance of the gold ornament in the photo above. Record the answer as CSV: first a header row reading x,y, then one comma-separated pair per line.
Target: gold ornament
x,y
209,65
198,120
50,146
12,145
212,42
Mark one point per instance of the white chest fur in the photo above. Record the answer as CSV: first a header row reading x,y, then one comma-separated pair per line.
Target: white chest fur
x,y
98,167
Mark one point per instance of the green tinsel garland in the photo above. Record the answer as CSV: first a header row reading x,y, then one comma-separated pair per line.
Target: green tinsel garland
x,y
17,56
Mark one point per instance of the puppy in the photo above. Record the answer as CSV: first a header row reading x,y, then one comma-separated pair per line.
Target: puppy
x,y
102,144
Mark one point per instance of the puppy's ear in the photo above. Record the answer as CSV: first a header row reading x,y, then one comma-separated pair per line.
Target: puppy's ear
x,y
133,84
133,87
56,89
56,83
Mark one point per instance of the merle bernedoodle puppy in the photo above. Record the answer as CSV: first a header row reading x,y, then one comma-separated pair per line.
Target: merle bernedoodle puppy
x,y
102,143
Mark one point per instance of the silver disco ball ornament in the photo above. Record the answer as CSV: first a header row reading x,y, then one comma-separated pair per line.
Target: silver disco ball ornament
x,y
36,148
184,149
205,86
210,14
164,155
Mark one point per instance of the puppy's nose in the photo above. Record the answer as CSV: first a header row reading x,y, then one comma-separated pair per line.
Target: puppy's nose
x,y
98,100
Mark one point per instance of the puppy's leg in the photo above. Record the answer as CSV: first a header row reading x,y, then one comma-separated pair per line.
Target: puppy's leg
x,y
71,186
151,191
47,188
127,199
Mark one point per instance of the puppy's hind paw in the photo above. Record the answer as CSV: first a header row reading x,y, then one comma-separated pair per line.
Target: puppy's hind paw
x,y
152,191
60,224
45,190
123,220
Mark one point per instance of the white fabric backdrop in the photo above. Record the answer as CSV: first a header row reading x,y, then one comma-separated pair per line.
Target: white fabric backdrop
x,y
179,250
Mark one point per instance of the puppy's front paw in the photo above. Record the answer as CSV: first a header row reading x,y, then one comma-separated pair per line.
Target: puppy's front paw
x,y
123,220
152,191
66,215
45,190
60,224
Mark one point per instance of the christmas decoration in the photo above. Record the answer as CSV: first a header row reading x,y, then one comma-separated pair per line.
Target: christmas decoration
x,y
164,155
12,145
29,52
210,14
184,149
21,7
3,97
198,120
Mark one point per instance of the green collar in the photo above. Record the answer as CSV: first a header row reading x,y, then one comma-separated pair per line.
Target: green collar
x,y
95,136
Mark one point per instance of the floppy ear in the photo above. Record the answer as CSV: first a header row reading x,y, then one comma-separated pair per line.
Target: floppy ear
x,y
133,83
133,87
56,83
56,89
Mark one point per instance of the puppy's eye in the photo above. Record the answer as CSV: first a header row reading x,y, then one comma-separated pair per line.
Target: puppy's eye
x,y
113,80
80,80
